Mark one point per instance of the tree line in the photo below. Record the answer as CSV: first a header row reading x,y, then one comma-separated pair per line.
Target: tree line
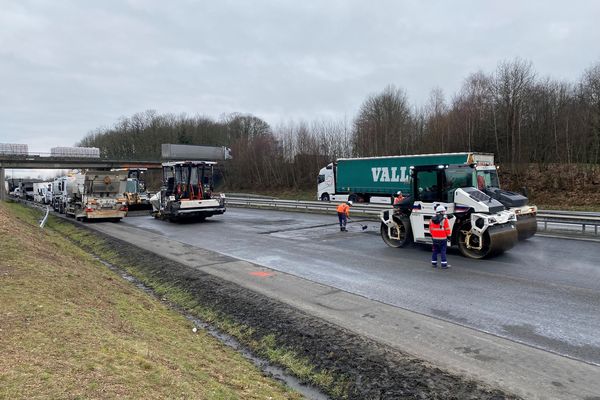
x,y
512,112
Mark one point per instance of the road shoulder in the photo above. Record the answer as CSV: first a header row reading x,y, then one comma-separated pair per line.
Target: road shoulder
x,y
516,368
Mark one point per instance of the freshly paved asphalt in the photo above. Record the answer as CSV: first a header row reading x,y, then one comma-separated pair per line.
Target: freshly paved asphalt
x,y
393,297
544,292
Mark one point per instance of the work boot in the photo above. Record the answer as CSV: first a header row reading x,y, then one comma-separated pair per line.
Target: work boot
x,y
433,265
341,229
445,266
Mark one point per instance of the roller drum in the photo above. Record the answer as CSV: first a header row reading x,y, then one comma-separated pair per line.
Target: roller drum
x,y
502,237
526,226
495,240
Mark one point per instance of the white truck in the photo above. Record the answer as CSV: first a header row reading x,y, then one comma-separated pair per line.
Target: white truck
x,y
59,192
42,192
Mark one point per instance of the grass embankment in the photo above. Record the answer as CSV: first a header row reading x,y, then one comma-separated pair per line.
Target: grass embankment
x,y
264,346
71,328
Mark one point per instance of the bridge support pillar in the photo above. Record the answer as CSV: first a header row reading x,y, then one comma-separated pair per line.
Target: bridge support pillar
x,y
3,193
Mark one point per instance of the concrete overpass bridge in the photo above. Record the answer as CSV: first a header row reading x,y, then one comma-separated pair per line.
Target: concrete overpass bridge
x,y
39,162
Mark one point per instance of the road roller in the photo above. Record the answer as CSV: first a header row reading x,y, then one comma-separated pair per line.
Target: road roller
x,y
481,226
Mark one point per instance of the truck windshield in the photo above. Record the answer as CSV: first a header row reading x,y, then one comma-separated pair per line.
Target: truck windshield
x,y
131,186
487,178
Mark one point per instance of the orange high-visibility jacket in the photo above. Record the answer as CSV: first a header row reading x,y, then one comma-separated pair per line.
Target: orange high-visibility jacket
x,y
438,231
344,209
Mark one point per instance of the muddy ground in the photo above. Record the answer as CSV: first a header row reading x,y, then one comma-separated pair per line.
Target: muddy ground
x,y
372,370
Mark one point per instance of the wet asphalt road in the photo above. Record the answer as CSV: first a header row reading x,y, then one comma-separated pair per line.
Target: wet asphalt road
x,y
544,292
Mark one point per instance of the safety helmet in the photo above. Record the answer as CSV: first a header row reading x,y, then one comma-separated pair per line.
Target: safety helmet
x,y
399,192
349,202
440,209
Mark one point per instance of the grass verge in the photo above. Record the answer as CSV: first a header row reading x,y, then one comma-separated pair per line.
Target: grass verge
x,y
263,346
71,328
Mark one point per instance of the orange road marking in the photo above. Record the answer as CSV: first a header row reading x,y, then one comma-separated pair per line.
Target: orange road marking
x,y
261,273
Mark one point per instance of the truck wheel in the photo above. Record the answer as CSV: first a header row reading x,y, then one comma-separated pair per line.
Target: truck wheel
x,y
325,197
405,234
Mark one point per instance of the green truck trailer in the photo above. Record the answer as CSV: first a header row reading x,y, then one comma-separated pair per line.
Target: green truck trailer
x,y
377,179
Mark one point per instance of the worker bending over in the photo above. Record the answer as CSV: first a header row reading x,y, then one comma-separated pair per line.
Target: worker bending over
x,y
343,211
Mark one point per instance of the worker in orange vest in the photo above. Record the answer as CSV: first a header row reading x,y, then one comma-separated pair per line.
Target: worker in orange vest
x,y
440,231
399,198
343,211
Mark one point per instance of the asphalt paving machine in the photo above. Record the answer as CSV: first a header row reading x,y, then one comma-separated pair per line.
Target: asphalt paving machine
x,y
187,192
481,225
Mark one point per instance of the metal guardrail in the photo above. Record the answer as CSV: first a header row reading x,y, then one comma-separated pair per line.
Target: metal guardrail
x,y
43,221
584,219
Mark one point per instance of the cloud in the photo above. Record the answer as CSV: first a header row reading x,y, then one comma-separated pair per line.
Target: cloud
x,y
68,67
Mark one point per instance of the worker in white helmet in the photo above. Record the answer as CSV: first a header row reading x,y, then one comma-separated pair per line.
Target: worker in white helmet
x,y
440,231
399,198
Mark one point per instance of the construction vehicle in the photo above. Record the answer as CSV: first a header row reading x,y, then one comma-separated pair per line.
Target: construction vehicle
x,y
187,192
481,226
378,179
135,191
95,195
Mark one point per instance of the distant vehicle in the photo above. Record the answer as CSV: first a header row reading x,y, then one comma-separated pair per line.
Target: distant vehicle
x,y
59,193
42,192
187,192
14,149
183,152
75,152
26,190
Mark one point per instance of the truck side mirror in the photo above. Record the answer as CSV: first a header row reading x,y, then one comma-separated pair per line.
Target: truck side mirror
x,y
525,191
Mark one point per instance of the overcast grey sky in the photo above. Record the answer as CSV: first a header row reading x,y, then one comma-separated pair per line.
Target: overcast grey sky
x,y
68,67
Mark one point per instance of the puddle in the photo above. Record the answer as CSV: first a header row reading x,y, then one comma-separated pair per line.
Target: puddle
x,y
269,369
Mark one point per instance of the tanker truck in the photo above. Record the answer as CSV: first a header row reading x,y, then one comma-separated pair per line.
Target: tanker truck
x,y
377,179
481,226
96,195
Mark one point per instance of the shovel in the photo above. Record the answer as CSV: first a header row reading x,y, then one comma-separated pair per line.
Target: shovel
x,y
363,227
